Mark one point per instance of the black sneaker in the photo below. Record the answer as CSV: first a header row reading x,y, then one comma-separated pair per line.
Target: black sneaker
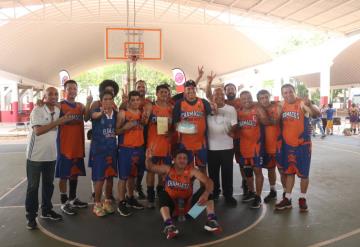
x,y
248,197
271,196
244,187
31,224
216,196
230,201
123,210
256,203
141,195
132,202
68,209
76,203
52,215
212,226
170,231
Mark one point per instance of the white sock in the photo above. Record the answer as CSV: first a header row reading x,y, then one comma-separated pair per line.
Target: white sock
x,y
302,195
288,195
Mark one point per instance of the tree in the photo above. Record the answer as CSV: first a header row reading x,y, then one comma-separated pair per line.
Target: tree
x,y
117,72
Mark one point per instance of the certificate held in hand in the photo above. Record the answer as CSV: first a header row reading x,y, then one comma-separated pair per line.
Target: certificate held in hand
x,y
162,125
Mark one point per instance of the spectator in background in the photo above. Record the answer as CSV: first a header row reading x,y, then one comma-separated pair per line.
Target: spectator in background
x,y
354,117
329,119
315,122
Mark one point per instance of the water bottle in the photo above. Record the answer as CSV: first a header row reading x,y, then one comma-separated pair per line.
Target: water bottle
x,y
181,207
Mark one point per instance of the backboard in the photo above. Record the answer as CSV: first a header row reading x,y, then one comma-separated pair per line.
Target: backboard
x,y
125,43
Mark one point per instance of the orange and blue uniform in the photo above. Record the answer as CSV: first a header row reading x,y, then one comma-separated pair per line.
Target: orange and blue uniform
x,y
159,144
296,140
272,138
251,138
71,142
179,186
196,113
131,148
103,148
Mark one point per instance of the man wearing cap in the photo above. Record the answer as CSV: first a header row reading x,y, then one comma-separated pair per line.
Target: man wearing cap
x,y
192,112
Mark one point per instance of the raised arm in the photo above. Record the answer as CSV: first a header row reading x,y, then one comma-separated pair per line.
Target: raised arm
x,y
159,169
89,100
210,79
307,107
200,74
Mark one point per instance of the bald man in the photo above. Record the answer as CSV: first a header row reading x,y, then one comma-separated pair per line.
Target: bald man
x,y
41,157
221,147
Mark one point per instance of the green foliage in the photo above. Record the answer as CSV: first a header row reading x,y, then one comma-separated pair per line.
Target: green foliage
x,y
117,72
296,42
315,96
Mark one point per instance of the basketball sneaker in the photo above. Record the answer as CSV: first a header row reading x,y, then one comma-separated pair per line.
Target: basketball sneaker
x,y
98,210
123,209
248,197
108,207
302,205
170,231
76,203
283,204
212,226
257,202
271,196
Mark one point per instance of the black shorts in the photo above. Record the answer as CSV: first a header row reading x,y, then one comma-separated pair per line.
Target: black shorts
x,y
165,199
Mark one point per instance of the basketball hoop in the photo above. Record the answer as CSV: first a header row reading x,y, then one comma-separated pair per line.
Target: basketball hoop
x,y
134,58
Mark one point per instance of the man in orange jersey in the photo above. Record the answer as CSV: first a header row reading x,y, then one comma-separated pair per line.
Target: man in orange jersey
x,y
129,127
158,140
71,148
272,143
193,111
179,187
296,144
250,120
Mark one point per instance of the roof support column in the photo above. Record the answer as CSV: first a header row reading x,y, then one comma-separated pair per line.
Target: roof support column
x,y
325,84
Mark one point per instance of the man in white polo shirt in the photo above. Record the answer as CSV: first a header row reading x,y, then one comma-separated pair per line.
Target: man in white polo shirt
x,y
41,157
221,147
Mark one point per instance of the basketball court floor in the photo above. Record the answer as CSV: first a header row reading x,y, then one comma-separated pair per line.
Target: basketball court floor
x,y
333,217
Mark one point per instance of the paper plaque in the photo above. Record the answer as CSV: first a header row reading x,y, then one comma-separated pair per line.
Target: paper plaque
x,y
162,125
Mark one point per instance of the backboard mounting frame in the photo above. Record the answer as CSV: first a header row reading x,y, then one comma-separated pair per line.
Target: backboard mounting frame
x,y
108,56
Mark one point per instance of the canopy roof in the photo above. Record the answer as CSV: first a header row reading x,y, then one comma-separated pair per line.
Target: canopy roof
x,y
39,38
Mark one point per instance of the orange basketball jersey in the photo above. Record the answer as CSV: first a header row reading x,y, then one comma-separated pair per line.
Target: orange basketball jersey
x,y
293,124
179,186
160,144
194,114
272,132
133,137
250,133
71,134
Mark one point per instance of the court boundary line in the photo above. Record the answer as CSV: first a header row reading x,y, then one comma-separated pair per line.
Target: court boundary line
x,y
336,239
13,188
263,213
254,224
58,238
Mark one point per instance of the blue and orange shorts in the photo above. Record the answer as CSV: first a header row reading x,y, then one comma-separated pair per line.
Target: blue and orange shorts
x,y
131,162
272,161
196,157
103,166
296,160
256,162
69,168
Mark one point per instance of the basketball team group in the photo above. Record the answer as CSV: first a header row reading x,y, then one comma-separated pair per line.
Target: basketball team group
x,y
167,144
